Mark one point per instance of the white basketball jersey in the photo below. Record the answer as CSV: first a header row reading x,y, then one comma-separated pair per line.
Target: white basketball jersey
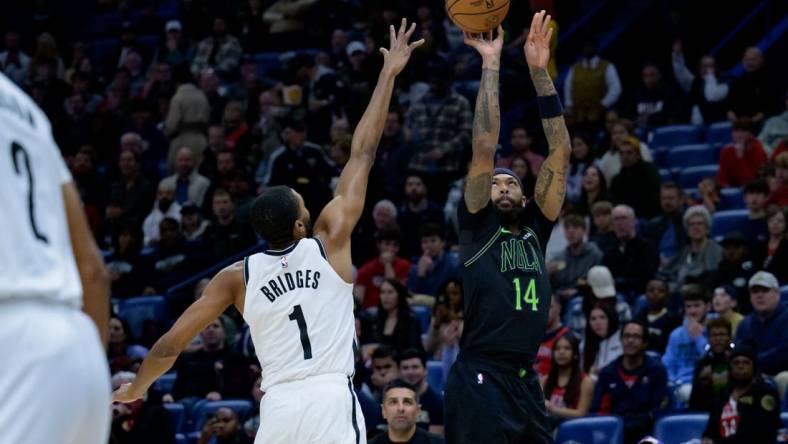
x,y
300,314
36,259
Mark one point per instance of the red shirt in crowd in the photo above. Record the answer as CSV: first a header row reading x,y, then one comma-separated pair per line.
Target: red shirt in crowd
x,y
544,356
372,274
737,171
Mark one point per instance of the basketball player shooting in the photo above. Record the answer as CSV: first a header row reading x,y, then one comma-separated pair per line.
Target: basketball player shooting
x,y
297,296
492,394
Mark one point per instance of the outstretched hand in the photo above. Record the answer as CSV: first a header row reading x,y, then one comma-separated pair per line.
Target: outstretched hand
x,y
485,43
123,394
537,45
396,57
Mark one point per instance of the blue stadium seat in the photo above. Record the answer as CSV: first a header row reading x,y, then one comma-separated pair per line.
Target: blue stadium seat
x,y
719,133
241,407
784,419
723,222
591,430
732,199
691,177
178,415
665,175
424,315
675,135
180,438
435,375
193,438
165,382
678,429
691,155
140,309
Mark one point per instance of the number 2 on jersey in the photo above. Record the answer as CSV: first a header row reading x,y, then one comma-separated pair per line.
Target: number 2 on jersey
x,y
16,150
529,297
298,316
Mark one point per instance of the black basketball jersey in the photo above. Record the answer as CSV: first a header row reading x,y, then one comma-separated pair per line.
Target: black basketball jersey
x,y
506,288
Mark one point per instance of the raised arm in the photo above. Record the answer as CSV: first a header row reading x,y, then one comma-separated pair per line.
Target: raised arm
x,y
339,217
486,120
550,187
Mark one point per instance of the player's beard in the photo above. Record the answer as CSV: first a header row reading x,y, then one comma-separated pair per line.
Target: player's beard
x,y
509,216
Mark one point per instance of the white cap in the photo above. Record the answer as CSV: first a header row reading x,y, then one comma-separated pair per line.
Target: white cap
x,y
173,25
764,279
601,282
355,46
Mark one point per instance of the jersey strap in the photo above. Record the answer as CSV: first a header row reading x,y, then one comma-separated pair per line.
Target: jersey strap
x,y
246,270
486,247
321,247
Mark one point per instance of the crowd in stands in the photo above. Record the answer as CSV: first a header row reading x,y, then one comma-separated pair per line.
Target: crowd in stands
x,y
173,127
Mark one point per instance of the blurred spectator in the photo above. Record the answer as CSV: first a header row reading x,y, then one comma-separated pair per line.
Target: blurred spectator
x,y
193,225
699,260
638,182
384,215
359,77
227,235
393,155
634,386
706,92
216,145
752,93
593,190
755,227
252,423
632,260
189,185
238,137
741,160
145,420
320,94
572,264
666,231
223,427
602,340
13,61
779,186
211,86
748,411
386,266
401,408
723,303
302,166
177,49
687,343
393,325
657,317
568,390
583,156
413,369
133,192
773,132
440,127
435,265
522,147
173,260
186,121
709,192
384,370
736,268
555,330
446,319
655,103
416,211
710,377
286,20
46,52
124,265
268,128
165,206
772,255
519,167
253,30
591,87
122,352
221,51
599,290
128,44
767,326
231,178
602,233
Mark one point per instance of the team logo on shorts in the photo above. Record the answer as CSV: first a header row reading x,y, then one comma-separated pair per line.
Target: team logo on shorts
x,y
480,379
284,261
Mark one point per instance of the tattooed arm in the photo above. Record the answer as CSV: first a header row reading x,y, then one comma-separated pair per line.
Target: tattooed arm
x,y
486,121
550,187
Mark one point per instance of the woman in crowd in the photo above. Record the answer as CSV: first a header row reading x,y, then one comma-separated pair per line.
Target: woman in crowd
x,y
699,259
567,389
772,255
593,190
394,324
123,354
602,343
583,156
447,311
610,163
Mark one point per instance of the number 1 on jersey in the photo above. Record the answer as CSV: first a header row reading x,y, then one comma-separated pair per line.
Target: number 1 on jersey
x,y
529,297
298,316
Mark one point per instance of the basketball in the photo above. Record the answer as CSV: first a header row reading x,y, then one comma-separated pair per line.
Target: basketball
x,y
477,15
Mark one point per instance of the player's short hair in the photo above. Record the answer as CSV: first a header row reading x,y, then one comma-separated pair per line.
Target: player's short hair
x,y
428,230
412,353
758,186
601,207
383,352
574,220
694,292
720,323
273,214
399,383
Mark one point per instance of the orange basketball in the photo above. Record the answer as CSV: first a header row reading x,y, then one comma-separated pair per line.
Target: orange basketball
x,y
477,15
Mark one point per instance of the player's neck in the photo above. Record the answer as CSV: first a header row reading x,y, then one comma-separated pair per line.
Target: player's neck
x,y
402,436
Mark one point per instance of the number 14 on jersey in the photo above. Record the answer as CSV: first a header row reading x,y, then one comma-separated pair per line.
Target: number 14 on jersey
x,y
529,297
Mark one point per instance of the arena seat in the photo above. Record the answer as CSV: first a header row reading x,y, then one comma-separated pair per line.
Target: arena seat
x,y
719,133
140,309
178,415
684,156
691,177
180,438
723,222
165,382
678,429
591,430
784,419
241,407
267,61
674,135
435,376
424,316
732,199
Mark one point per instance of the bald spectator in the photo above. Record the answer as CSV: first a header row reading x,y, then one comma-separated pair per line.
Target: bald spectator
x,y
637,184
164,206
741,161
631,259
189,185
221,51
752,94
